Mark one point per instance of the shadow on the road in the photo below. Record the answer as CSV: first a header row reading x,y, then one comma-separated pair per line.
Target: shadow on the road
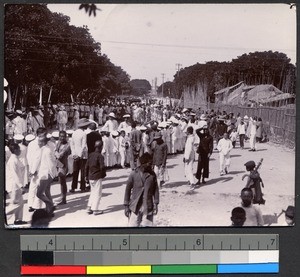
x,y
114,208
258,150
270,219
172,166
115,178
73,205
175,184
113,185
235,172
233,156
216,180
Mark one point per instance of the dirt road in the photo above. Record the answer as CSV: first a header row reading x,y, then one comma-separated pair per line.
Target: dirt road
x,y
209,205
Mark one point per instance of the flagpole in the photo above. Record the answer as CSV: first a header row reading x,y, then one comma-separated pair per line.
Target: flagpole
x,y
50,94
41,96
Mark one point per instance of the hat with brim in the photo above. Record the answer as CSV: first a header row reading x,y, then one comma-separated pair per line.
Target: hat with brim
x,y
203,117
55,134
18,137
185,110
221,118
290,212
19,112
30,137
126,115
193,114
83,122
143,128
114,133
112,115
70,132
49,136
250,164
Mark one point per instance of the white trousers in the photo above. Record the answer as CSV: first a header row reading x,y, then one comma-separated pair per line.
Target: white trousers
x,y
252,141
15,208
96,194
224,161
188,171
33,201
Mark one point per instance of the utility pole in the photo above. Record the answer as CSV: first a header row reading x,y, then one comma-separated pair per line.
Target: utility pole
x,y
162,86
178,66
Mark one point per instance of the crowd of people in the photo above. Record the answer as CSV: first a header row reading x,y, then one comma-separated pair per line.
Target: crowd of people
x,y
50,143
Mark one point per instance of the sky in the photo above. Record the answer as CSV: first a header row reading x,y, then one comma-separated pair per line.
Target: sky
x,y
153,40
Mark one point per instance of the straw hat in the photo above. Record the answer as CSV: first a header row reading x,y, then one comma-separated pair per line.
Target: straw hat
x,y
18,137
55,134
112,115
83,122
30,137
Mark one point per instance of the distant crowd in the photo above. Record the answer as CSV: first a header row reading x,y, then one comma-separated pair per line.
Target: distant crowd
x,y
54,142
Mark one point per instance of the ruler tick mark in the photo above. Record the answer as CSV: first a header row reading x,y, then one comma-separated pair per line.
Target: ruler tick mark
x,y
110,244
184,245
221,245
37,245
147,245
65,247
74,245
230,246
258,245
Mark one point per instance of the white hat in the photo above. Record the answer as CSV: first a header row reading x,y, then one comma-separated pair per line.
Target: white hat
x,y
126,115
192,113
114,133
112,115
70,132
30,137
49,136
18,137
18,111
203,117
185,110
55,134
143,128
162,124
246,117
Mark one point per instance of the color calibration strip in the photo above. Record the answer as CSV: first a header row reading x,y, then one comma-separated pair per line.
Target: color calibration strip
x,y
149,254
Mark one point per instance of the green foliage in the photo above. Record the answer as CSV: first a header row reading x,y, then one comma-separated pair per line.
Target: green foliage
x,y
254,68
43,49
140,87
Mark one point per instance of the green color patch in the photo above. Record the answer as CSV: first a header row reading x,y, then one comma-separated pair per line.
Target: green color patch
x,y
184,269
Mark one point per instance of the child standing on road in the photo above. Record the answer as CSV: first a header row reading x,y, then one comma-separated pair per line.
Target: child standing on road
x,y
233,137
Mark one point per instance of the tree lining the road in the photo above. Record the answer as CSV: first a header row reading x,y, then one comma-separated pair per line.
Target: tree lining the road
x,y
43,50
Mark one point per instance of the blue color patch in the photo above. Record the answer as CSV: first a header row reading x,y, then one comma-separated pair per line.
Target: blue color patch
x,y
248,268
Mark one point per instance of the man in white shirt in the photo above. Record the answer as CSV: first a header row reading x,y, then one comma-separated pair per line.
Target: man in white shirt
x,y
125,124
79,153
189,157
111,124
224,147
62,118
33,158
14,176
46,173
253,127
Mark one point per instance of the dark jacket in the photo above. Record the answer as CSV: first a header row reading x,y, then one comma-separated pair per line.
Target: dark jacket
x,y
206,144
95,167
141,190
160,154
91,138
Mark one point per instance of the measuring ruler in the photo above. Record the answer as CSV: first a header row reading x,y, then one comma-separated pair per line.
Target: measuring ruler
x,y
149,254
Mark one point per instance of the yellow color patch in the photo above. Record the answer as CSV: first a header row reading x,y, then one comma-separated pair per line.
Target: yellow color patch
x,y
139,269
